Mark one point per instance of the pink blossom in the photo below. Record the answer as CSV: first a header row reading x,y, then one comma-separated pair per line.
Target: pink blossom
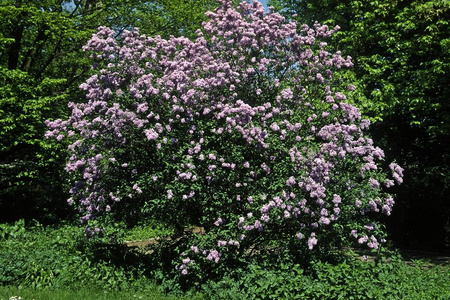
x,y
213,255
312,241
218,222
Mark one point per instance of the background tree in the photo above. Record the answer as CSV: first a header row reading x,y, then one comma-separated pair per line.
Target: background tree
x,y
41,67
401,51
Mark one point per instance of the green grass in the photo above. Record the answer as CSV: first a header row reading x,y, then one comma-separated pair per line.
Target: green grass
x,y
146,231
82,294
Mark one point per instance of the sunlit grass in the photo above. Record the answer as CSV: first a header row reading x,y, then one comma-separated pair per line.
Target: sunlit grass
x,y
146,231
151,292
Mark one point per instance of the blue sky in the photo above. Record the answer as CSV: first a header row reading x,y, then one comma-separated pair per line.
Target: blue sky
x,y
264,3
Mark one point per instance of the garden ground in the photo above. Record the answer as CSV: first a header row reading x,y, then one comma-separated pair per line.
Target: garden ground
x,y
58,263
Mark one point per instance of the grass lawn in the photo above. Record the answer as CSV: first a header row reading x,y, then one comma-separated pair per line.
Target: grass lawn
x,y
9,292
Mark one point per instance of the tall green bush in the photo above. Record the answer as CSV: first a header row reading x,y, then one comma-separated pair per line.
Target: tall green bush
x,y
243,131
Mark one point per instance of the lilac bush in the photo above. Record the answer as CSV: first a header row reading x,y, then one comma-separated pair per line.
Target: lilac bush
x,y
245,131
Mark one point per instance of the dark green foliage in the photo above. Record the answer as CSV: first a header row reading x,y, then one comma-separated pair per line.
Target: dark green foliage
x,y
61,257
401,51
422,214
346,280
30,168
38,262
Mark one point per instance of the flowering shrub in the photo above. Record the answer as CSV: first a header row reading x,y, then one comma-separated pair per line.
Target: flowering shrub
x,y
244,131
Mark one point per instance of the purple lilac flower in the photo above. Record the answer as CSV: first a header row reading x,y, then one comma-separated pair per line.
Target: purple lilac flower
x,y
213,255
374,183
221,243
290,181
312,241
218,222
151,134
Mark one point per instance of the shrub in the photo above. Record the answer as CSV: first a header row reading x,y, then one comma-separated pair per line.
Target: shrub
x,y
244,131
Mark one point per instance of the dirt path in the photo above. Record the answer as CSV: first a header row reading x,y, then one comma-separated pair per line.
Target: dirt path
x,y
431,258
428,258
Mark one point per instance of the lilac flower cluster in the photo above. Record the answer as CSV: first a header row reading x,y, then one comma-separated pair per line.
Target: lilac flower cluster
x,y
243,127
